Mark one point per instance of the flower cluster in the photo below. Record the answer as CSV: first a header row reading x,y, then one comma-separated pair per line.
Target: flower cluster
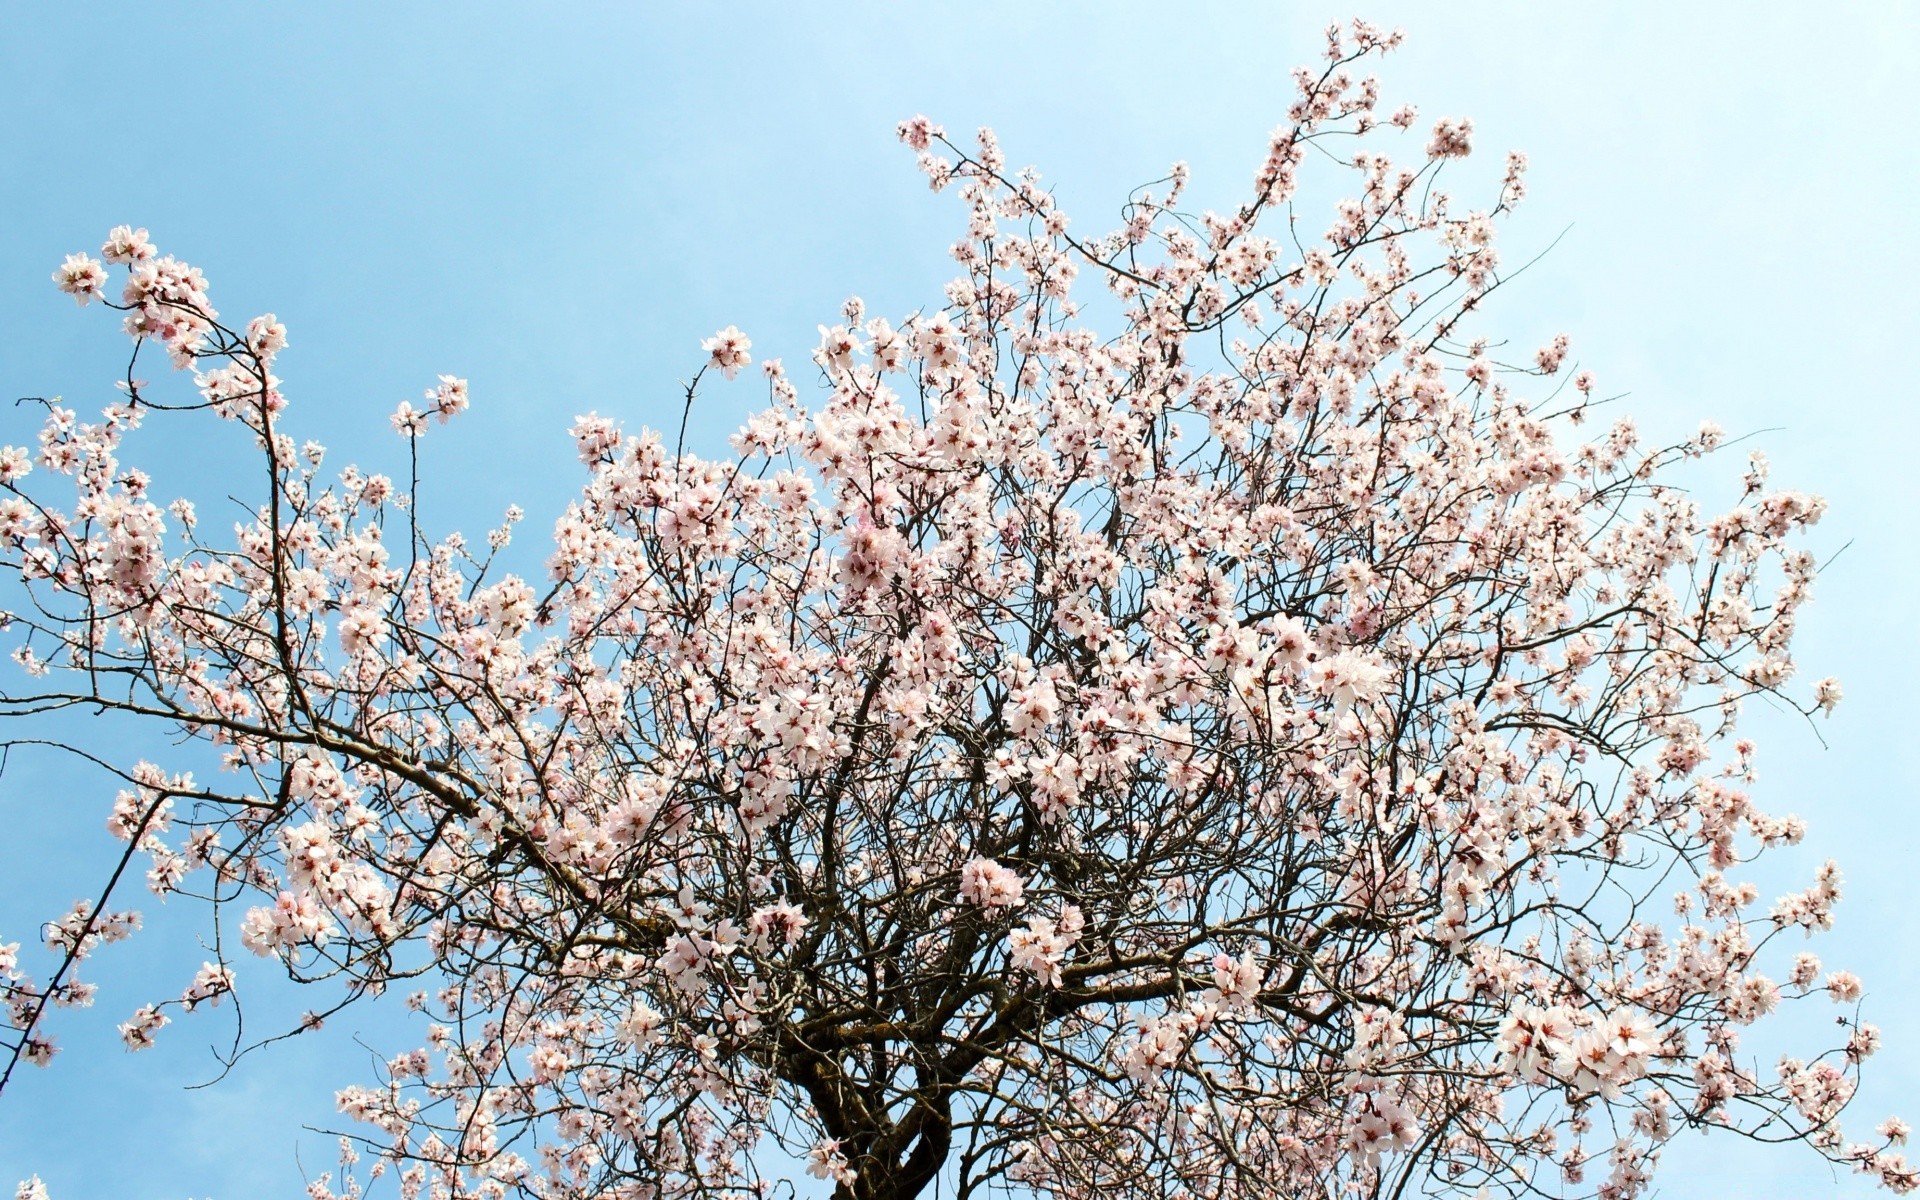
x,y
988,884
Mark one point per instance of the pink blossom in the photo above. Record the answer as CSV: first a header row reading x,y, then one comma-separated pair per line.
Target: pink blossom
x,y
728,351
127,246
986,883
1380,1126
212,981
449,397
407,421
782,920
825,1161
81,277
266,336
918,133
1040,948
1452,138
138,1030
1351,677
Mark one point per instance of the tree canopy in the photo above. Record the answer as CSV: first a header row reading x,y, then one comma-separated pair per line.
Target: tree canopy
x,y
1271,749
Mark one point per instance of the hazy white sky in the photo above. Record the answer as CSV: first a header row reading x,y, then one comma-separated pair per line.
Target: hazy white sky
x,y
560,206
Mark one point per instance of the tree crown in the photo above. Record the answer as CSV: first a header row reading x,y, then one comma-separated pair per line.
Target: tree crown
x,y
1242,755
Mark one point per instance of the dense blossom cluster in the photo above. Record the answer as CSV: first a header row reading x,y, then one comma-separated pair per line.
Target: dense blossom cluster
x,y
1248,754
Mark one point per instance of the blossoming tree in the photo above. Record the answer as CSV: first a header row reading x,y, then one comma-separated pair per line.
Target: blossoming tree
x,y
1259,752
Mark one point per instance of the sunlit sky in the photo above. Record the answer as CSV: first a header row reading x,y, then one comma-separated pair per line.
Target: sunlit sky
x,y
559,206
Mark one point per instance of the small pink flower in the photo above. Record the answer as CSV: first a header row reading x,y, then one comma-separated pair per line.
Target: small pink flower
x,y
728,349
988,884
1452,138
81,277
127,246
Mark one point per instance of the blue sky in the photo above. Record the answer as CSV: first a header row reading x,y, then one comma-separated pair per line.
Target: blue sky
x,y
559,205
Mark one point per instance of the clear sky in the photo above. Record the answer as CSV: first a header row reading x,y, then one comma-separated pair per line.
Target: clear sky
x,y
559,205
